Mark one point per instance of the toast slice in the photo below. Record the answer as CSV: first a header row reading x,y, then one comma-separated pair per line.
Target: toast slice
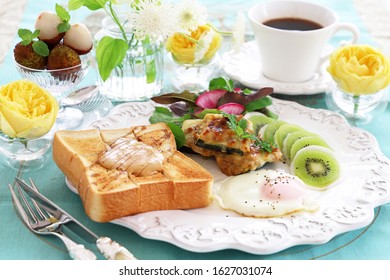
x,y
111,193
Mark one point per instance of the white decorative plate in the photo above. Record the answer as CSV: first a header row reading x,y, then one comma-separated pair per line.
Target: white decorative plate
x,y
245,67
346,206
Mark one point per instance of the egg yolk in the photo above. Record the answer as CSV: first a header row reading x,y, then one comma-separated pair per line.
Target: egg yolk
x,y
282,188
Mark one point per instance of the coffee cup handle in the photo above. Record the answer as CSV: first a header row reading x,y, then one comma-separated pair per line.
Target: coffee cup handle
x,y
341,26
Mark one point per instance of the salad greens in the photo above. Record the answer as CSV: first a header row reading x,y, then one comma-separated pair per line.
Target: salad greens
x,y
221,98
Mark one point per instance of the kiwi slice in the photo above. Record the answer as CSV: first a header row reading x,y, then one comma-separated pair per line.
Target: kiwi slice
x,y
269,132
305,142
259,121
282,132
291,139
316,166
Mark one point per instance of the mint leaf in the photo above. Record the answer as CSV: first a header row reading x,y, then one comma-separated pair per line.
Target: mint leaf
x,y
41,48
26,36
35,34
75,4
63,27
110,53
62,13
25,42
24,33
221,83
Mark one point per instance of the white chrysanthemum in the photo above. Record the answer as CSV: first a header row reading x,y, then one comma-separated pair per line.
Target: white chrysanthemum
x,y
203,45
153,20
190,14
239,31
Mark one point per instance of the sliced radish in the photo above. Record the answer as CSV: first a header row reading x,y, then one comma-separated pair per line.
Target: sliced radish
x,y
232,108
209,99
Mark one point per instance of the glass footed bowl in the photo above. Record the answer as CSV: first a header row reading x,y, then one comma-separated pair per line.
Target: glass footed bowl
x,y
60,83
26,154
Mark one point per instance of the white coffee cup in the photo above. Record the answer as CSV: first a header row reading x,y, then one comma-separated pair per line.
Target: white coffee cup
x,y
293,56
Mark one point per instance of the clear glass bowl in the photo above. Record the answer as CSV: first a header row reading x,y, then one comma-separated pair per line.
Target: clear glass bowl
x,y
60,83
24,154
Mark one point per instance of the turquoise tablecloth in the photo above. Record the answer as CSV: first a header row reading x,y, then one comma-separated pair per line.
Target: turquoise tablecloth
x,y
17,242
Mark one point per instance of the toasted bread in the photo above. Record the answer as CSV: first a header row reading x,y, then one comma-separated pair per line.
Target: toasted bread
x,y
108,194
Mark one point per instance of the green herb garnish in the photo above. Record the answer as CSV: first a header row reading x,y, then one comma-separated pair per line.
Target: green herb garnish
x,y
29,37
64,15
239,127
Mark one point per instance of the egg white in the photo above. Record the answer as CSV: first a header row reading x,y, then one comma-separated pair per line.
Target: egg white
x,y
265,193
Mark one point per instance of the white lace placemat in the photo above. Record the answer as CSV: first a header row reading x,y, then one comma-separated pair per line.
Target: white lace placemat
x,y
11,12
375,14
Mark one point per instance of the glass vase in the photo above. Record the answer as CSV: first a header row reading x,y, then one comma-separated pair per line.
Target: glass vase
x,y
357,108
24,154
140,75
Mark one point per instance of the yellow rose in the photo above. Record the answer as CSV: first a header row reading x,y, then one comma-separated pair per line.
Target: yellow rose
x,y
26,110
183,49
359,69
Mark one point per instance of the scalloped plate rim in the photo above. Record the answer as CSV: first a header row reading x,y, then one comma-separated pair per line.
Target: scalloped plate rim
x,y
160,225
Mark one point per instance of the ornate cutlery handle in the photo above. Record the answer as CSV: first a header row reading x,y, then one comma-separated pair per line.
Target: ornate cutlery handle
x,y
113,250
76,251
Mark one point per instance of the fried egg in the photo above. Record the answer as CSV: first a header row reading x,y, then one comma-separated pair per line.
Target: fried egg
x,y
265,193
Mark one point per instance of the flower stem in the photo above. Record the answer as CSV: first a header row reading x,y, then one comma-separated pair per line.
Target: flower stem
x,y
356,100
189,38
116,20
219,31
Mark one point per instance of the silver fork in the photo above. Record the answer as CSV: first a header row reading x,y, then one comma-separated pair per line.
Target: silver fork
x,y
41,222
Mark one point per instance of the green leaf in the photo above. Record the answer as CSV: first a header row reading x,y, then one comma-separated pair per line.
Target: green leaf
x,y
163,110
161,114
269,113
95,4
25,35
151,71
204,112
110,53
62,13
41,48
75,4
35,34
247,91
63,27
25,42
221,83
180,137
169,98
258,104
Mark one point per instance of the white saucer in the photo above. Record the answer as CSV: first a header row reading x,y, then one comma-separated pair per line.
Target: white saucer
x,y
244,67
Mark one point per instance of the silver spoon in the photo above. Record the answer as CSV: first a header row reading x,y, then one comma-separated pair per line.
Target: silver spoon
x,y
79,96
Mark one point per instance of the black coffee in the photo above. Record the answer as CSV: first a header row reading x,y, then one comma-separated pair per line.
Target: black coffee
x,y
293,24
